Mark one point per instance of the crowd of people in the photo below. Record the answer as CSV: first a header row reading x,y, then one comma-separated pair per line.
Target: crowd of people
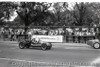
x,y
12,34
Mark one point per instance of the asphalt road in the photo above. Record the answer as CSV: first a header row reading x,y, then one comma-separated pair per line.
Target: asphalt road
x,y
59,56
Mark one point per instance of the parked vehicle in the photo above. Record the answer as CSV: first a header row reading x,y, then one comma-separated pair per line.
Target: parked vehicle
x,y
94,43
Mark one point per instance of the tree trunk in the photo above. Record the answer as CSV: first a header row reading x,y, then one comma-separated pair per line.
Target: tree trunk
x,y
25,18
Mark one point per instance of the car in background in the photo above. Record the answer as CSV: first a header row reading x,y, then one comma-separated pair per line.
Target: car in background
x,y
94,43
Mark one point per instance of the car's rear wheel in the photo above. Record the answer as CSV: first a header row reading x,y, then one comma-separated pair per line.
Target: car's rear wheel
x,y
96,45
21,45
43,46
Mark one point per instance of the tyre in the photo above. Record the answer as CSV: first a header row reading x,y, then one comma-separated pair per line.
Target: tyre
x,y
43,47
21,45
96,45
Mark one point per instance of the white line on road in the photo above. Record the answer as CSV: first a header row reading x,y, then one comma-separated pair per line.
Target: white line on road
x,y
93,63
97,60
20,60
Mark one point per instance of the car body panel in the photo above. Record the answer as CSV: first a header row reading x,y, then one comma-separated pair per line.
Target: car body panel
x,y
92,42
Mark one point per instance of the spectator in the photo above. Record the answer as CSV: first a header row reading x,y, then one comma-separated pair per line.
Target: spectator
x,y
12,35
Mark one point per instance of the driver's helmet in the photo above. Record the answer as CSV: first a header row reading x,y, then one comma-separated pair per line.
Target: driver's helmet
x,y
35,40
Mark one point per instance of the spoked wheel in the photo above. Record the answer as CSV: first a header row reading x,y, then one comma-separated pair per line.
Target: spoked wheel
x,y
21,45
44,47
96,45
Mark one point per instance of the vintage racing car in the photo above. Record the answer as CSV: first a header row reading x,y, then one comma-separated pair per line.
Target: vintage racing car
x,y
94,43
35,42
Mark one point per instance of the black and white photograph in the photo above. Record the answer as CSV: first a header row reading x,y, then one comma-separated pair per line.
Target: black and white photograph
x,y
49,34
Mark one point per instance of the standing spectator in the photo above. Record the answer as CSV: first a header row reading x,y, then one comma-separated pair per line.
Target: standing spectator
x,y
4,35
12,35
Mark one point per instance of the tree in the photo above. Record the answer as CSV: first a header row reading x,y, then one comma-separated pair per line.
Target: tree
x,y
30,13
6,9
33,13
62,14
79,13
94,7
83,14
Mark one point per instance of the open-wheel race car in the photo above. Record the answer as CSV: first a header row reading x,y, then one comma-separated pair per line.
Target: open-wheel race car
x,y
35,42
94,43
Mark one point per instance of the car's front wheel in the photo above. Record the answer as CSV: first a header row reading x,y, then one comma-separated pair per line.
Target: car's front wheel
x,y
96,45
21,45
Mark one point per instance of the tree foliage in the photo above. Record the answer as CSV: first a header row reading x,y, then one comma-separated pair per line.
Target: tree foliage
x,y
5,11
33,12
84,15
37,14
